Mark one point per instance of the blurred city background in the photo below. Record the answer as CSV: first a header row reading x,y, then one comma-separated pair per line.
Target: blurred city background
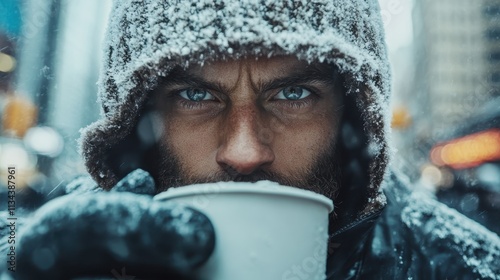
x,y
446,106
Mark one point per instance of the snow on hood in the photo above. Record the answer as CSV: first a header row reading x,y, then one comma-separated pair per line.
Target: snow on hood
x,y
147,38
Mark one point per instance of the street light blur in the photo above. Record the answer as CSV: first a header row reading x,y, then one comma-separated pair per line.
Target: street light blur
x,y
7,63
469,151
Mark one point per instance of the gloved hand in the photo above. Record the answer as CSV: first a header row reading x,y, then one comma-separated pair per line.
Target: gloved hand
x,y
114,233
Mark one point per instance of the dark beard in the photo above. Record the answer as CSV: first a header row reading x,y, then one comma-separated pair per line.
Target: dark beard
x,y
324,178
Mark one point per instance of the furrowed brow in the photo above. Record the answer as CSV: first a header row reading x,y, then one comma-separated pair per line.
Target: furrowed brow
x,y
310,75
180,78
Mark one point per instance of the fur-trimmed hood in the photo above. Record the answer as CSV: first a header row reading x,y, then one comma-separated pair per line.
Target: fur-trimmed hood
x,y
147,38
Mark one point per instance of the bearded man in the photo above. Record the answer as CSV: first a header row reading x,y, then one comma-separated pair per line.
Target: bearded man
x,y
294,92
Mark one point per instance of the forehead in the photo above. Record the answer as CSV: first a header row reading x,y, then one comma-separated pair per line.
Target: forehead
x,y
256,68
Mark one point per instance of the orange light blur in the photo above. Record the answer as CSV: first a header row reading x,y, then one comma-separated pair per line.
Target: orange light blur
x,y
19,115
468,151
401,118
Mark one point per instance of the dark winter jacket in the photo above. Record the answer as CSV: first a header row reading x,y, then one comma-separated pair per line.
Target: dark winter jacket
x,y
382,230
413,237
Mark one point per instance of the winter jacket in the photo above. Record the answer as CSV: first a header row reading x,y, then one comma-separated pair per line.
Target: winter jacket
x,y
413,237
382,230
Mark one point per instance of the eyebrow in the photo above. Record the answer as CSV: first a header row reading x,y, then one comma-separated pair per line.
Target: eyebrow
x,y
180,77
311,74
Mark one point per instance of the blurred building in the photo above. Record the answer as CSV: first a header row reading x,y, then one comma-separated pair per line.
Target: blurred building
x,y
491,18
50,54
459,56
456,63
59,65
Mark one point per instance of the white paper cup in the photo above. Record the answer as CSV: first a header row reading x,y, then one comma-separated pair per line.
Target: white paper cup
x,y
263,230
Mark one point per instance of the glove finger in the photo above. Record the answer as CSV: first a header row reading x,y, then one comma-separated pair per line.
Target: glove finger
x,y
102,233
138,182
184,237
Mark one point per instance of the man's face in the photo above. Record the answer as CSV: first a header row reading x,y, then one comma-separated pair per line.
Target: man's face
x,y
247,120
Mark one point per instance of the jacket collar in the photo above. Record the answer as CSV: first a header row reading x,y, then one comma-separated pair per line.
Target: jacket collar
x,y
347,245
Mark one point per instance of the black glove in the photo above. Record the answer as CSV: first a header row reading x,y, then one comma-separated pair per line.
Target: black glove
x,y
110,234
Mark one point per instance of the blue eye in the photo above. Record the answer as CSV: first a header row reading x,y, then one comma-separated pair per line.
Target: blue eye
x,y
196,94
292,93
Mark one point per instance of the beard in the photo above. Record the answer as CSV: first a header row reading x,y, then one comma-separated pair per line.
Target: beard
x,y
324,177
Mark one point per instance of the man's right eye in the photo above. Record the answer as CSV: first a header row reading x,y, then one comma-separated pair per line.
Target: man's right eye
x,y
196,94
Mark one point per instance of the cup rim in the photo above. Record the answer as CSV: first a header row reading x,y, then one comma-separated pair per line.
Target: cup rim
x,y
260,187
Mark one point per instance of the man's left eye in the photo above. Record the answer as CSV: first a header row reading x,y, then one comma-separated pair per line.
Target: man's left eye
x,y
292,93
196,94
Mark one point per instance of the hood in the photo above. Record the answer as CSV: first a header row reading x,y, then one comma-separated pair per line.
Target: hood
x,y
146,38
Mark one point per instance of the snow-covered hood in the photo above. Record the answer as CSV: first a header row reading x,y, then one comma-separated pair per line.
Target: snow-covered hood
x,y
146,38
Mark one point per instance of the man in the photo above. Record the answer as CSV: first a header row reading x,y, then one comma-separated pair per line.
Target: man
x,y
295,92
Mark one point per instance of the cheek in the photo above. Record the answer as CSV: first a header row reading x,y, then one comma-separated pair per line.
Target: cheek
x,y
298,147
194,145
300,142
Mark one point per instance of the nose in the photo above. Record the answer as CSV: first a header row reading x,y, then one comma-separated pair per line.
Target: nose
x,y
243,149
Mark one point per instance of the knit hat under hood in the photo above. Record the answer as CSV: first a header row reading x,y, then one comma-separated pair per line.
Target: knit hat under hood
x,y
147,38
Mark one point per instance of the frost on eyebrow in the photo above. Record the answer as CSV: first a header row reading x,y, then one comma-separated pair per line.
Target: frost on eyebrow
x,y
182,77
314,72
301,73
